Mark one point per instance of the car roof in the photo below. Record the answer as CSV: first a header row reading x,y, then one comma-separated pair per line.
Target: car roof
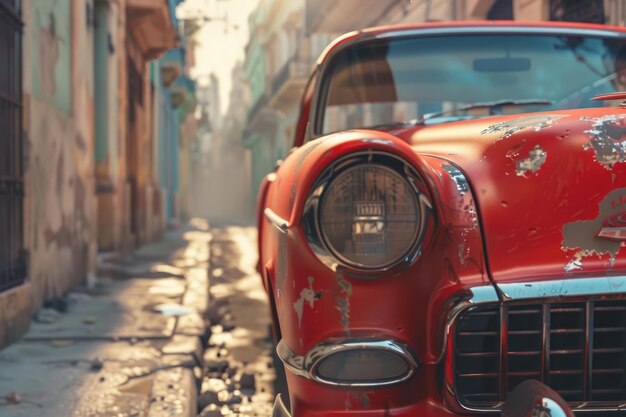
x,y
472,27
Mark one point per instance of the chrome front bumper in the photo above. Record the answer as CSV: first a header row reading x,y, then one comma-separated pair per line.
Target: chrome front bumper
x,y
528,400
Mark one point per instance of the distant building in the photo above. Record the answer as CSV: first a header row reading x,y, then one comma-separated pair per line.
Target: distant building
x,y
279,59
222,167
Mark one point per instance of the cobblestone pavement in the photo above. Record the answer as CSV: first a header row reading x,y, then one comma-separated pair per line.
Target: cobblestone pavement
x,y
128,345
181,328
239,373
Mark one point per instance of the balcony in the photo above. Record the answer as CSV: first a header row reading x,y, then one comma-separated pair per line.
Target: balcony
x,y
152,26
332,16
288,85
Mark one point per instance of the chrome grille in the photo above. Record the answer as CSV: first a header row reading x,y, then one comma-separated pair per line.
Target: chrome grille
x,y
576,348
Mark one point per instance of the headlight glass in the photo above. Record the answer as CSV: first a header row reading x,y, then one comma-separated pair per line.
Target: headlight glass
x,y
369,216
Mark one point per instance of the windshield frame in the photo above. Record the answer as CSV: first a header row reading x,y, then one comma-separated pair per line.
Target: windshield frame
x,y
319,99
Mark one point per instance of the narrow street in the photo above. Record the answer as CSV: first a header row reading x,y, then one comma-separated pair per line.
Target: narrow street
x,y
146,339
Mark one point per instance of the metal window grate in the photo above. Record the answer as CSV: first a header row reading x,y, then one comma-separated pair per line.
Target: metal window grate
x,y
12,255
577,348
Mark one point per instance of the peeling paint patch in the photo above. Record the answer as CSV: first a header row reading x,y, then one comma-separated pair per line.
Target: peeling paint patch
x,y
575,264
583,236
361,398
536,158
464,250
343,302
462,257
307,295
457,176
473,216
509,128
606,141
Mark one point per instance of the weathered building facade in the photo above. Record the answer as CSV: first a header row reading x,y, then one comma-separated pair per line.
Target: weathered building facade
x,y
59,207
279,59
130,34
79,166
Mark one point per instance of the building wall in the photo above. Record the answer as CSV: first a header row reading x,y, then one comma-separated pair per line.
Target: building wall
x,y
60,210
91,171
49,33
615,11
110,127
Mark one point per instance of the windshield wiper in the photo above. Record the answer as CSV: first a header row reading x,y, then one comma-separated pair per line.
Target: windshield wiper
x,y
486,105
480,105
394,125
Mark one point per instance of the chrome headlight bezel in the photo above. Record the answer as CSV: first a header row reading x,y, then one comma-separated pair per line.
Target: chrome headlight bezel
x,y
311,216
307,366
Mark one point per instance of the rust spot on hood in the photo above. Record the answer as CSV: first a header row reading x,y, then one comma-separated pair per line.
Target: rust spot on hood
x,y
607,139
536,158
583,236
510,127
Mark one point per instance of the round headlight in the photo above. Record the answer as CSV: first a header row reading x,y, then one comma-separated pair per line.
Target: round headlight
x,y
369,216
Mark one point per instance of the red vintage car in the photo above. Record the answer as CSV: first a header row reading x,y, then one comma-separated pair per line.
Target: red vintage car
x,y
451,224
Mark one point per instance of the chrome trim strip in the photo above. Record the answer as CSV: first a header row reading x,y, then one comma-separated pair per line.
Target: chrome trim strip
x,y
518,30
279,409
476,295
292,361
306,366
280,223
569,287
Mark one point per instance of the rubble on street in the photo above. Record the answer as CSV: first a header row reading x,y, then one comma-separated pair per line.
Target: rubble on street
x,y
239,374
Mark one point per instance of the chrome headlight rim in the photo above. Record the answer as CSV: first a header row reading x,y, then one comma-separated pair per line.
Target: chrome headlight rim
x,y
311,216
307,366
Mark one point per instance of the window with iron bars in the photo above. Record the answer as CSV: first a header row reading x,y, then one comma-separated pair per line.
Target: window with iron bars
x,y
12,254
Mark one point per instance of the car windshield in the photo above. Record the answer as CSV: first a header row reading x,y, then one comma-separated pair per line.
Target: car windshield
x,y
396,82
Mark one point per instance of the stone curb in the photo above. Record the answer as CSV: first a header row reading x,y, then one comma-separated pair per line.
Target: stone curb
x,y
174,392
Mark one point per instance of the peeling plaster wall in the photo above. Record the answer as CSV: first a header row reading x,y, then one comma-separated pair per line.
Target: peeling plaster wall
x,y
49,32
60,204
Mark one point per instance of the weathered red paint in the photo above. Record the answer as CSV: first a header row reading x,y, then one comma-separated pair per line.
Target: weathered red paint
x,y
523,216
508,227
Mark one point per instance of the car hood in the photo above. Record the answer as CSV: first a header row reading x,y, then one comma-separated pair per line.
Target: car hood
x,y
550,188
